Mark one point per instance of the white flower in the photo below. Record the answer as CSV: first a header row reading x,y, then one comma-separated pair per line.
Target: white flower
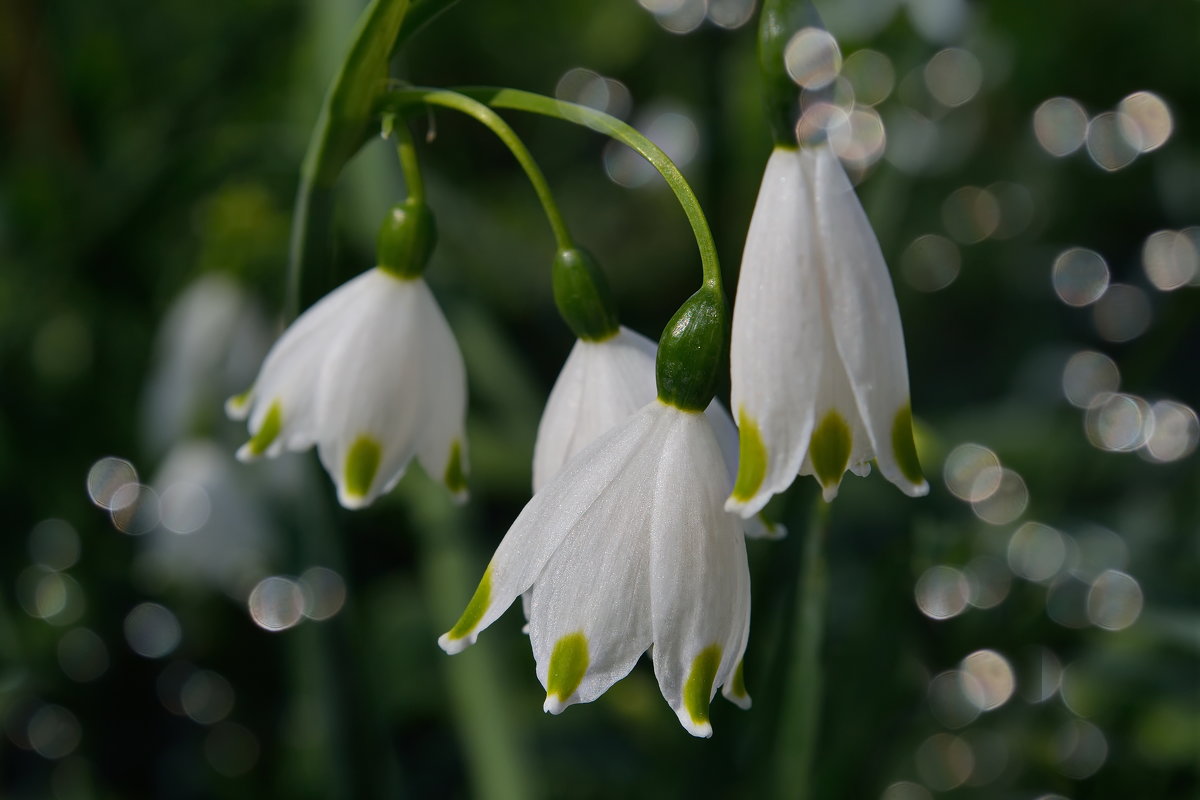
x,y
820,382
602,384
372,375
628,548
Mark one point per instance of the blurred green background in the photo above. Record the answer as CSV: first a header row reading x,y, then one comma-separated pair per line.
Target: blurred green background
x,y
1029,630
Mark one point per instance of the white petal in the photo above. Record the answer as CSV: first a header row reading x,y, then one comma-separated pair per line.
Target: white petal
x,y
443,388
579,491
777,341
865,317
757,526
289,372
370,402
699,590
600,385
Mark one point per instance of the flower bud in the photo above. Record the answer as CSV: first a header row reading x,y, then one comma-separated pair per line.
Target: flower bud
x,y
583,297
406,239
691,350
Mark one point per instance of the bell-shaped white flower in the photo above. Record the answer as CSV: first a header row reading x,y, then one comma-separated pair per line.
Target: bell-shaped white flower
x,y
629,548
819,378
602,384
372,375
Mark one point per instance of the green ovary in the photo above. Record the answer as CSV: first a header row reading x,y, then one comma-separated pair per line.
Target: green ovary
x,y
830,449
903,448
475,609
268,432
362,462
568,664
697,691
752,458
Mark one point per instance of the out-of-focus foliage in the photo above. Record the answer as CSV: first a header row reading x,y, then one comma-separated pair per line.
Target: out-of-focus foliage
x,y
1040,637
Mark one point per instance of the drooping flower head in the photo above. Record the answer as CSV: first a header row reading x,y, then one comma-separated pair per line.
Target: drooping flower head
x,y
626,549
371,374
819,377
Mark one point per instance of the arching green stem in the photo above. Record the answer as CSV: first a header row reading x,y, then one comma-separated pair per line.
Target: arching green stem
x,y
406,151
626,134
400,99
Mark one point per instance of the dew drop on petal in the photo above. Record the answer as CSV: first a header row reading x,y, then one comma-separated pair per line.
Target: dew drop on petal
x,y
1087,376
942,592
1114,601
276,603
107,476
812,58
1060,125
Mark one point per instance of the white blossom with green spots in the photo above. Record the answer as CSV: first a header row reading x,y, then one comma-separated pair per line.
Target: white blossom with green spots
x,y
627,548
372,375
819,376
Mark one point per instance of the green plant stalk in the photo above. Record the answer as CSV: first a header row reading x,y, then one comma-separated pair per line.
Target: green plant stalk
x,y
343,125
627,135
796,742
399,100
406,151
479,692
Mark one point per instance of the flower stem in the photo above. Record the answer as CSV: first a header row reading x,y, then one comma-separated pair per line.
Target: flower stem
x,y
399,98
796,743
406,151
630,137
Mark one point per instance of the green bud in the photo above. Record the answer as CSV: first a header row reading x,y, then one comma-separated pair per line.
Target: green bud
x,y
691,351
582,296
406,239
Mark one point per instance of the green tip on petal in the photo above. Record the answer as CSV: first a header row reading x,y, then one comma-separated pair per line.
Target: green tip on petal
x,y
568,664
362,462
475,609
829,449
455,479
903,448
697,691
752,458
268,432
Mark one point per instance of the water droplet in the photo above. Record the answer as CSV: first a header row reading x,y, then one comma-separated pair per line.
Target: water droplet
x,y
994,676
1118,422
185,507
944,762
972,472
1080,276
1123,314
107,476
1170,260
1060,125
1108,141
953,77
1114,601
135,509
152,630
1036,552
930,262
276,603
1149,119
970,214
1006,503
942,592
1087,376
324,592
954,698
871,74
812,58
1175,432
